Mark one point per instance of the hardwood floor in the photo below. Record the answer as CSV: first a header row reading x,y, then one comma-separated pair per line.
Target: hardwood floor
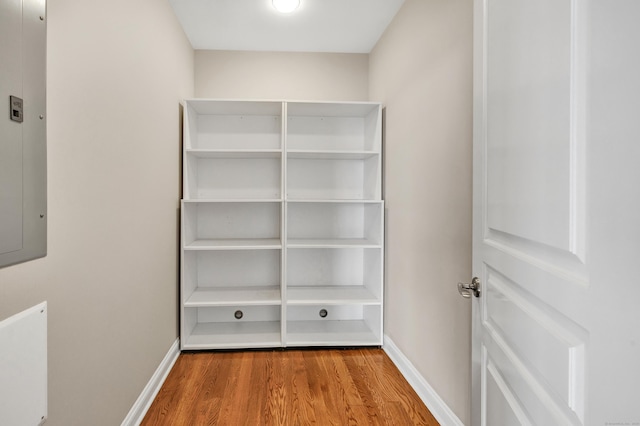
x,y
287,387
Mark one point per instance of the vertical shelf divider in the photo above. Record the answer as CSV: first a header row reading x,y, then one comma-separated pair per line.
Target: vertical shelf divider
x,y
283,267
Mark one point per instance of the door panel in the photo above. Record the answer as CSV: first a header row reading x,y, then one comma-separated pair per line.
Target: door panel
x,y
529,130
556,235
530,336
507,410
541,338
520,390
539,348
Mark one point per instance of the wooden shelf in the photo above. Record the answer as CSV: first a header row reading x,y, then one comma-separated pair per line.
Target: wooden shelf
x,y
232,125
234,107
234,244
332,109
330,295
232,200
255,173
231,153
330,333
331,201
333,175
332,243
233,335
227,174
330,155
233,296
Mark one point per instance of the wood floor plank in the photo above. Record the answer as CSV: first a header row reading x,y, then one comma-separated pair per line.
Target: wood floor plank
x,y
395,389
232,385
251,402
345,380
338,387
206,405
287,387
303,403
354,365
276,395
324,409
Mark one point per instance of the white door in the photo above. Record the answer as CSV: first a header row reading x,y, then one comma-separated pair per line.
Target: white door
x,y
556,247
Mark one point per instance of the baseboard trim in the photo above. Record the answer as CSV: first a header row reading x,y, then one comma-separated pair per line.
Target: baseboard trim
x,y
427,394
142,404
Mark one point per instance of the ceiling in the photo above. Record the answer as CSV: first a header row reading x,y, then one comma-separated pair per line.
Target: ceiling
x,y
347,26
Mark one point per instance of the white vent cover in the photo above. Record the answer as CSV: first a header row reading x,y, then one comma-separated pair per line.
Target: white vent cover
x,y
23,367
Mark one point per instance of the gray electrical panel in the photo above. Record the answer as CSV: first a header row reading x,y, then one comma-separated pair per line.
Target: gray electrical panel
x,y
23,148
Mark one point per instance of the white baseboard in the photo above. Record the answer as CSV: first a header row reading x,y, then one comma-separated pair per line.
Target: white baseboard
x,y
142,404
427,394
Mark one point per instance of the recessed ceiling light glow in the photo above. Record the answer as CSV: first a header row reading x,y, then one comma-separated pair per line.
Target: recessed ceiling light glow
x,y
286,6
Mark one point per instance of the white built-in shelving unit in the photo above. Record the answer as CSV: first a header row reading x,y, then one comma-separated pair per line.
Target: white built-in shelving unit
x,y
282,224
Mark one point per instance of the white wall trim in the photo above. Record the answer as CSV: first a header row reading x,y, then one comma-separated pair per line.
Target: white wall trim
x,y
427,394
142,404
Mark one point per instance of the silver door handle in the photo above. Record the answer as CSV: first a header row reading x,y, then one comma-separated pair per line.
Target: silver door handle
x,y
466,290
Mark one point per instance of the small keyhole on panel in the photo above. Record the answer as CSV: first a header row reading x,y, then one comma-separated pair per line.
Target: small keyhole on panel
x,y
323,313
238,314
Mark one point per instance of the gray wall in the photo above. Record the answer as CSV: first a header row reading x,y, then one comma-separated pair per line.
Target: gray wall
x,y
117,71
421,69
281,75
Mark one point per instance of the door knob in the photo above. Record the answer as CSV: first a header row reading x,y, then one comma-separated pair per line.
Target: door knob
x,y
466,290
